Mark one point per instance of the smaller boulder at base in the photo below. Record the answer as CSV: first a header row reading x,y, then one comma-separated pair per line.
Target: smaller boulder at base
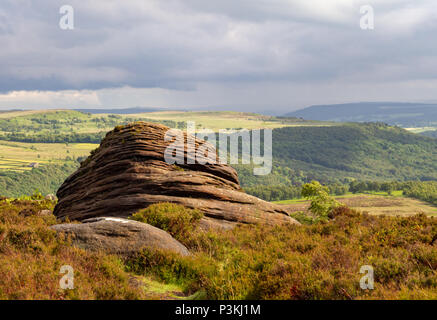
x,y
119,236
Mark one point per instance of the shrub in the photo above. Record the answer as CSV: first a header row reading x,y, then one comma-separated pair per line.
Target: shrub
x,y
31,255
342,211
303,217
321,202
317,261
176,219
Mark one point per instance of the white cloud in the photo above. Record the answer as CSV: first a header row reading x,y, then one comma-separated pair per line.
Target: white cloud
x,y
409,19
49,99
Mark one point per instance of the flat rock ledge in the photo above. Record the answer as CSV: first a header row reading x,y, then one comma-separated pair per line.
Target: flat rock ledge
x,y
119,236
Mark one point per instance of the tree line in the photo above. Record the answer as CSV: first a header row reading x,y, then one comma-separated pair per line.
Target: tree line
x,y
422,190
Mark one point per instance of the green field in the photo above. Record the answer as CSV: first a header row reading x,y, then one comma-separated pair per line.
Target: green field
x,y
13,114
231,120
379,203
50,136
46,126
17,156
421,129
68,121
397,193
332,153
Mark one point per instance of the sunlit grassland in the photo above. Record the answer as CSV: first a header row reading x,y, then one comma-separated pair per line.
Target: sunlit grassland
x,y
421,129
17,156
378,203
227,119
12,114
69,121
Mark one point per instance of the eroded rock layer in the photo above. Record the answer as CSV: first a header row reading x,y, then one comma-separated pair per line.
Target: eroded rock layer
x,y
128,172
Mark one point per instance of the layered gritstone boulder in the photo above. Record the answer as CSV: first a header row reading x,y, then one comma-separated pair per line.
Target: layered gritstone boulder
x,y
119,236
128,172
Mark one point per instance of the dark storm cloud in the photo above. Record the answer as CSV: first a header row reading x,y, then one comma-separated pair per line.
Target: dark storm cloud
x,y
179,44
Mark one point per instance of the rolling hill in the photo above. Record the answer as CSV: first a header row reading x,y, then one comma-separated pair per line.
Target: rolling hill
x,y
346,152
302,150
395,113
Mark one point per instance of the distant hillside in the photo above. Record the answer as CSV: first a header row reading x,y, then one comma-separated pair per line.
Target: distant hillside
x,y
334,153
12,110
65,126
46,179
346,152
431,133
362,151
120,111
69,126
401,114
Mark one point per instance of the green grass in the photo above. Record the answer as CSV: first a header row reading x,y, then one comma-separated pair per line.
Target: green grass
x,y
319,261
231,120
68,121
347,195
421,129
290,201
31,255
376,203
302,151
397,193
59,125
17,156
13,114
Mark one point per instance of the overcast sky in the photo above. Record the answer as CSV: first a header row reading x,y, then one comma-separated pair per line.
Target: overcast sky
x,y
245,55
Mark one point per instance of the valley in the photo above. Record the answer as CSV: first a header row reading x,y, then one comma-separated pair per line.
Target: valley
x,y
382,170
333,153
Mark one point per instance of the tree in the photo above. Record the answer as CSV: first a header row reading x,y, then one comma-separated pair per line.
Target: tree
x,y
387,187
321,202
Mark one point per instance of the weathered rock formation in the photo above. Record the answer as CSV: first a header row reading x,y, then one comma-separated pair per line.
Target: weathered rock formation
x,y
128,172
119,236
